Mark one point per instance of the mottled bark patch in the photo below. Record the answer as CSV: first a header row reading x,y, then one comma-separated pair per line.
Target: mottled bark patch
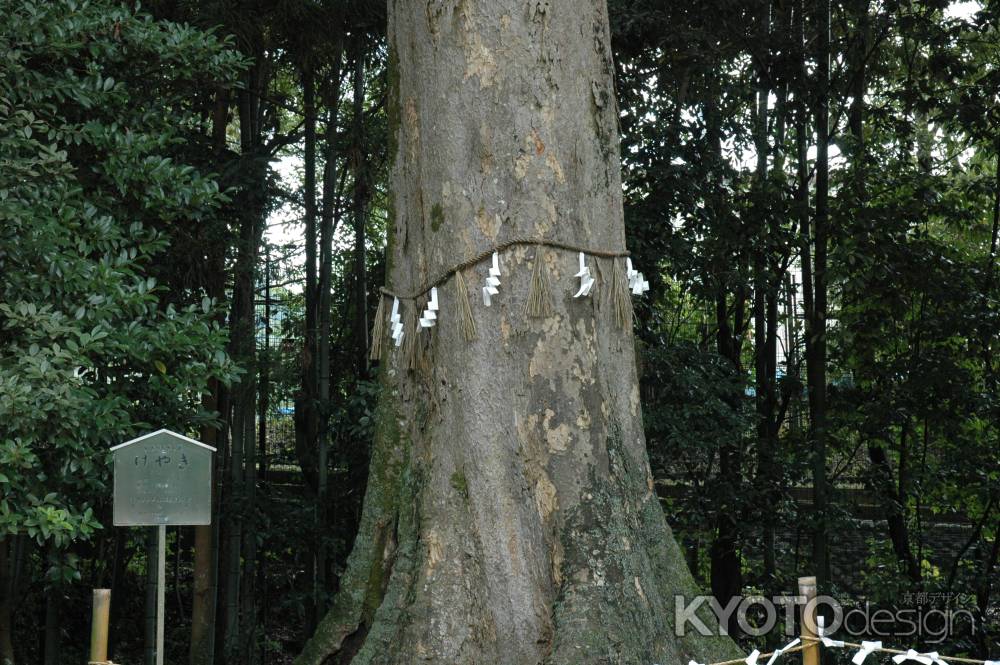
x,y
437,216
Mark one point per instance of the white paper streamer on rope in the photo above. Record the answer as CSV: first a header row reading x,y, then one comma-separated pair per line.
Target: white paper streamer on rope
x,y
866,648
778,652
586,281
636,282
929,658
821,629
397,323
492,281
429,317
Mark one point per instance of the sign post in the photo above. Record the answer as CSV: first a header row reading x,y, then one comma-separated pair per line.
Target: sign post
x,y
162,478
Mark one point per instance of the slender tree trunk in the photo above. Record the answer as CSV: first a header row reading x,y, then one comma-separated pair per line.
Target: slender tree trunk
x,y
985,586
995,234
18,554
802,134
242,471
325,313
264,410
249,633
816,360
724,554
764,289
221,518
361,194
777,295
119,568
7,586
206,538
53,636
306,402
264,407
974,539
510,516
894,508
309,201
893,500
206,553
244,418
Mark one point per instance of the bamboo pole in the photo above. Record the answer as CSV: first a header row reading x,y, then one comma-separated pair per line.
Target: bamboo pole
x,y
808,632
99,626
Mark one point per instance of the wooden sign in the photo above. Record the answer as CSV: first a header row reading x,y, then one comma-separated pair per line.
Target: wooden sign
x,y
162,478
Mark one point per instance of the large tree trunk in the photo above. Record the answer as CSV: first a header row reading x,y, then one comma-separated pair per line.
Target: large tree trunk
x,y
510,515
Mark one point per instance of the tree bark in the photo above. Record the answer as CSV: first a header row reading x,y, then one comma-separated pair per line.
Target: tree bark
x,y
895,510
327,228
893,500
206,564
816,350
985,586
307,401
361,195
204,603
53,627
510,515
239,621
119,568
725,559
6,600
764,300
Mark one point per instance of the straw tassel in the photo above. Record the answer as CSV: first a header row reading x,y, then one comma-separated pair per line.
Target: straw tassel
x,y
410,341
539,304
621,301
378,329
464,308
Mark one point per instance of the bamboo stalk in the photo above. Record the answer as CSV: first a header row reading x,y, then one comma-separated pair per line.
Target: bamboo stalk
x,y
99,626
809,632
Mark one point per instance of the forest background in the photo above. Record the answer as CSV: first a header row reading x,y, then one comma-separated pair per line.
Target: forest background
x,y
194,205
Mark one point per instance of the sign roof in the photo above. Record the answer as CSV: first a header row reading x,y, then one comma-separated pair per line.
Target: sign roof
x,y
163,431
